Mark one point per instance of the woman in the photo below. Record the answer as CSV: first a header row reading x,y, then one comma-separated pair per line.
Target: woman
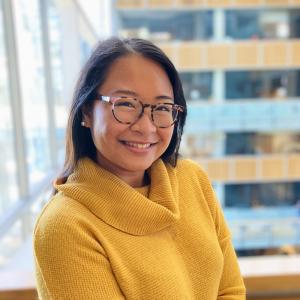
x,y
130,220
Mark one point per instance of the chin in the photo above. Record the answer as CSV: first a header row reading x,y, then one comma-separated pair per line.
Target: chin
x,y
137,167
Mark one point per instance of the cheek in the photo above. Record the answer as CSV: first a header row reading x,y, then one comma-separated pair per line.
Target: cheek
x,y
106,129
166,135
99,126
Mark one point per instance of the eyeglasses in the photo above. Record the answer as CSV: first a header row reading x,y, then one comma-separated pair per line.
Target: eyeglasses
x,y
128,110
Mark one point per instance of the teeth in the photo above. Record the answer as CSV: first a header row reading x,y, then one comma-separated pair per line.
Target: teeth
x,y
137,145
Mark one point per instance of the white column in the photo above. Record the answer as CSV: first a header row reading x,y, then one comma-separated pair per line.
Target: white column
x,y
219,94
219,25
218,86
70,46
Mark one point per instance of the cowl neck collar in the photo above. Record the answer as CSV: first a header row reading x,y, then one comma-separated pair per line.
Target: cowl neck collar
x,y
120,205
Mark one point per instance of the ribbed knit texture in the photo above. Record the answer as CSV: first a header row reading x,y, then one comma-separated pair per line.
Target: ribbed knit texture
x,y
99,238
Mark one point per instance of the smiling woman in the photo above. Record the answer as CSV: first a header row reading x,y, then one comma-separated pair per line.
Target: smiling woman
x,y
127,151
129,220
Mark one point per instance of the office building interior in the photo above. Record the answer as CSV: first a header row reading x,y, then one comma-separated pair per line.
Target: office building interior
x,y
239,62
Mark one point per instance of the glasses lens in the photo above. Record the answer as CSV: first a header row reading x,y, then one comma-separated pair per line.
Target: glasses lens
x,y
164,115
126,110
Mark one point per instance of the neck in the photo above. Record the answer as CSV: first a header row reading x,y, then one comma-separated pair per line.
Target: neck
x,y
132,178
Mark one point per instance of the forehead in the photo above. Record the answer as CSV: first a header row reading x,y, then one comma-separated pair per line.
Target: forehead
x,y
139,74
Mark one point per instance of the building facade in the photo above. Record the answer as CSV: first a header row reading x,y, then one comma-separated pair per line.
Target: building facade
x,y
239,63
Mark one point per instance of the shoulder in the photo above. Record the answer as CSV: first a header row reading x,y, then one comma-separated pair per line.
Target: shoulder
x,y
191,176
63,224
188,163
188,168
62,215
59,208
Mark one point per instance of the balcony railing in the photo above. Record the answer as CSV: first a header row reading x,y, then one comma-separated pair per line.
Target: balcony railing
x,y
244,116
204,4
234,54
250,169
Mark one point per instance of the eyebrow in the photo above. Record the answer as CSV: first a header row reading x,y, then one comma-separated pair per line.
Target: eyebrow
x,y
134,94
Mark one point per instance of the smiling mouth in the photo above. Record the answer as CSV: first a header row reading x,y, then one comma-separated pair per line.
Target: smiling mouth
x,y
138,145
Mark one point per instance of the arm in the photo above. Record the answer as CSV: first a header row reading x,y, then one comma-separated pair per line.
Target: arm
x,y
231,285
70,262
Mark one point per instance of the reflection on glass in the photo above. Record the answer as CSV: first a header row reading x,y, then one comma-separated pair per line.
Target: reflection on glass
x,y
262,194
242,24
54,23
197,86
87,40
33,88
262,84
8,185
262,143
167,25
263,24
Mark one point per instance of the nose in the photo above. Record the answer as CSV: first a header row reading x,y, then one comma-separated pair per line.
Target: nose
x,y
144,124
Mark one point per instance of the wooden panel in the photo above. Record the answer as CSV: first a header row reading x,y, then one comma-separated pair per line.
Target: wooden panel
x,y
246,54
206,4
276,2
218,3
295,52
157,3
201,55
169,51
241,169
218,55
245,169
284,285
191,2
271,277
275,53
272,168
294,166
218,169
295,2
129,3
30,294
17,285
247,2
190,55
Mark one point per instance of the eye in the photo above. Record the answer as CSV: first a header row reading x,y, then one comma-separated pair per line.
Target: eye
x,y
125,103
164,107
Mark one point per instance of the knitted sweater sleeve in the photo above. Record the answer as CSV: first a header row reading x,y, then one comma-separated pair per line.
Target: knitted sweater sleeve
x,y
70,263
231,285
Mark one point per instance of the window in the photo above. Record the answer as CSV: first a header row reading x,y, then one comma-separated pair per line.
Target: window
x,y
32,78
197,86
263,24
262,194
262,84
55,41
167,25
8,169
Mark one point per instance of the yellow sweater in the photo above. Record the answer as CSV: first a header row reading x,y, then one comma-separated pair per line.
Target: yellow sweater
x,y
99,238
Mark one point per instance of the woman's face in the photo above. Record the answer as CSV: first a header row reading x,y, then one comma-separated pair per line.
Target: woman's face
x,y
128,150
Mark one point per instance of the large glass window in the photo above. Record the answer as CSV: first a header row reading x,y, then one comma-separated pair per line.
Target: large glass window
x,y
262,143
55,39
8,182
28,28
262,84
262,24
167,25
262,194
197,86
242,24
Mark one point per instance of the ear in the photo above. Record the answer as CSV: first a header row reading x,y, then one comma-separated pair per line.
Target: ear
x,y
87,116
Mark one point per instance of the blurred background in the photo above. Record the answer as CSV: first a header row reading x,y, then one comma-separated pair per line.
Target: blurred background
x,y
239,62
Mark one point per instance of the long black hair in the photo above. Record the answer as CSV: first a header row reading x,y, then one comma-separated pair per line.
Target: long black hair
x,y
79,141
